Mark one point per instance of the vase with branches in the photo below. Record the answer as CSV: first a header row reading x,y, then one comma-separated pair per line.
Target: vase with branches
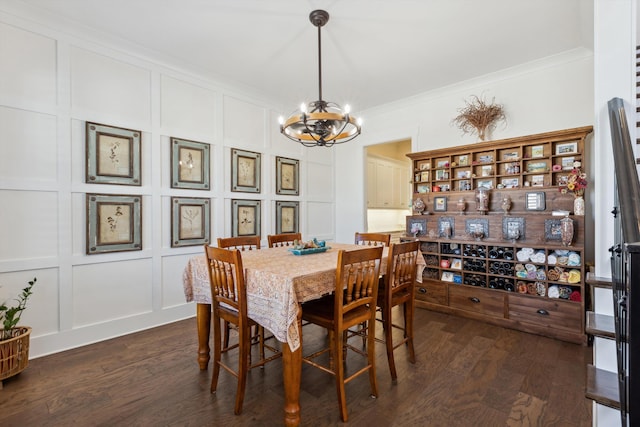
x,y
10,316
479,116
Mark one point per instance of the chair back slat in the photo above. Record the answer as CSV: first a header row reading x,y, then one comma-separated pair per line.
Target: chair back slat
x,y
401,267
285,239
373,239
242,243
226,277
357,278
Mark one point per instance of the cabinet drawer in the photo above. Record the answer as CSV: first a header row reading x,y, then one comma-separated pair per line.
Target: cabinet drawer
x,y
434,292
550,313
490,303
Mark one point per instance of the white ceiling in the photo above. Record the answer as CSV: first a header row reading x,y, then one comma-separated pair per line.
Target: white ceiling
x,y
373,51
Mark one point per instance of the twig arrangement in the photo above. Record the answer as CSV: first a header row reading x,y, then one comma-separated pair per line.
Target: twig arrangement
x,y
479,116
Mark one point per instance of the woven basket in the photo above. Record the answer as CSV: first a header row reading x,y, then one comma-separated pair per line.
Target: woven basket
x,y
14,352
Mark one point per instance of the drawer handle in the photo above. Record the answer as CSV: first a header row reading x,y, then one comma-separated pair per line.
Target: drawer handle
x,y
543,312
474,300
422,290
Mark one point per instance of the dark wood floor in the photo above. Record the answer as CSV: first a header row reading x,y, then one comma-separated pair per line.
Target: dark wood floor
x,y
468,373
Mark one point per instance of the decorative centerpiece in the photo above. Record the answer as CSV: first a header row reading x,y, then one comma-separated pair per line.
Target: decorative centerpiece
x,y
482,200
14,340
478,116
419,206
506,205
461,205
576,184
566,230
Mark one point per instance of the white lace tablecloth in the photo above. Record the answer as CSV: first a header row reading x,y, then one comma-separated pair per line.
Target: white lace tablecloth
x,y
277,282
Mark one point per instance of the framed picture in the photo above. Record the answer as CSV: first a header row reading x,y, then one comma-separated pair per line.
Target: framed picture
x,y
510,156
416,226
463,160
442,174
486,183
245,217
456,264
510,182
189,164
424,176
537,180
114,223
446,227
423,188
190,221
513,228
552,229
245,171
486,170
463,174
477,227
442,164
425,166
567,162
287,176
440,204
537,167
287,217
486,158
113,155
447,276
535,201
537,151
567,148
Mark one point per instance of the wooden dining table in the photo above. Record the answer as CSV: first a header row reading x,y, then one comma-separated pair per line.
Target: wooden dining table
x,y
277,283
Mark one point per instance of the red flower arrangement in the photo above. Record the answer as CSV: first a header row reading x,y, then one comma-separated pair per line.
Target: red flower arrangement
x,y
576,183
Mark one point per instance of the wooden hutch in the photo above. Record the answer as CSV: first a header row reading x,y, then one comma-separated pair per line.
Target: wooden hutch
x,y
506,265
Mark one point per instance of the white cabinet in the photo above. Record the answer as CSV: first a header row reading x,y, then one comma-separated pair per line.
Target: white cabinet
x,y
388,184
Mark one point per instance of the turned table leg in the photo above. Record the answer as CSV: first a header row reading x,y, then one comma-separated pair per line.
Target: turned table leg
x,y
203,317
292,369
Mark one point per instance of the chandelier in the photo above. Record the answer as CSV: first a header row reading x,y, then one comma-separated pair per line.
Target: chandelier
x,y
320,123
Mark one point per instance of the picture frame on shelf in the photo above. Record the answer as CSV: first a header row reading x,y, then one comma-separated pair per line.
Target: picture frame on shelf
x,y
440,204
537,180
510,156
567,148
537,151
446,227
190,221
416,226
112,155
552,230
441,175
447,276
567,162
114,223
510,182
535,201
456,264
245,171
463,174
190,164
424,176
442,164
425,166
245,217
287,217
423,188
287,176
463,160
475,225
486,158
513,228
486,183
537,167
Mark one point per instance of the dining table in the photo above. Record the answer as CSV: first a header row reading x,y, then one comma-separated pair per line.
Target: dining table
x,y
277,283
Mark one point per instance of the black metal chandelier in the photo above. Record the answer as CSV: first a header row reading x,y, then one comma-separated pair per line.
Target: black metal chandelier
x,y
320,123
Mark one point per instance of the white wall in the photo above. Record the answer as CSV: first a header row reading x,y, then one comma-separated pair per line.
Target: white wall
x,y
51,84
546,95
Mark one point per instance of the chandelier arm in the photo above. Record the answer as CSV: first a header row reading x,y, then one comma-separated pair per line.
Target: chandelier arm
x,y
319,63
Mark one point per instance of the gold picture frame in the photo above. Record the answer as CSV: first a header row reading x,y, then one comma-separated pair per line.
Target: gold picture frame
x,y
245,217
190,164
245,171
287,217
112,155
287,176
190,221
114,223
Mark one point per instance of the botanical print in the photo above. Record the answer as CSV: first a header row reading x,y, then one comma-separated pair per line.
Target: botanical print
x,y
114,156
246,220
191,222
114,223
246,171
288,219
190,165
288,176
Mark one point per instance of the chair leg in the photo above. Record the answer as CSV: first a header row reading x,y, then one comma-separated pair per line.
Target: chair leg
x,y
408,329
388,339
371,357
243,366
339,370
217,353
227,326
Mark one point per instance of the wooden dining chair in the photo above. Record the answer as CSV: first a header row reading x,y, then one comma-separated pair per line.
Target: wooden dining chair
x,y
373,239
229,303
397,289
242,243
285,239
352,303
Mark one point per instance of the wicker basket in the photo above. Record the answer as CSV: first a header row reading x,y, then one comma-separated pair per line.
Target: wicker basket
x,y
14,353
